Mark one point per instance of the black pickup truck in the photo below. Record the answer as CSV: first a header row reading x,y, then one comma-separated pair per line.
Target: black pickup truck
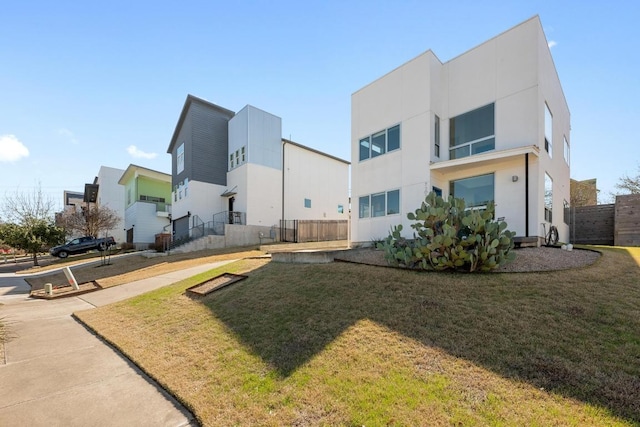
x,y
82,245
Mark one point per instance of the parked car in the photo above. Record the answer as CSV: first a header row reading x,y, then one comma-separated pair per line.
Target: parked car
x,y
82,245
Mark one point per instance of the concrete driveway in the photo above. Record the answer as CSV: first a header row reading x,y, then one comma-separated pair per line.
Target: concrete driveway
x,y
55,372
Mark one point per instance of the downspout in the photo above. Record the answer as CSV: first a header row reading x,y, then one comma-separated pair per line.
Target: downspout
x,y
282,224
526,194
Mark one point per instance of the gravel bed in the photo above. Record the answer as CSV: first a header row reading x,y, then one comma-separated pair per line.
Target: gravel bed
x,y
527,259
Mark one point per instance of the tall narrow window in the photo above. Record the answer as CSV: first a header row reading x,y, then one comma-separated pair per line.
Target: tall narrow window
x,y
180,159
393,138
378,204
365,144
378,144
566,151
436,137
393,202
548,198
548,130
243,155
363,207
472,133
307,203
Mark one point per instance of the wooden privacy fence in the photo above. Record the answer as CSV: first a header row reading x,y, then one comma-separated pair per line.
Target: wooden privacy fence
x,y
615,224
301,231
627,220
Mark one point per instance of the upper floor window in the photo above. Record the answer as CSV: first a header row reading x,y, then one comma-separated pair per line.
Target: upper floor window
x,y
472,133
180,158
380,143
237,158
436,136
548,130
566,150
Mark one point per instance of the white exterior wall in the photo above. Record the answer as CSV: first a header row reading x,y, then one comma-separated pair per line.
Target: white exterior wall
x,y
260,132
202,199
513,70
321,179
111,194
147,222
264,195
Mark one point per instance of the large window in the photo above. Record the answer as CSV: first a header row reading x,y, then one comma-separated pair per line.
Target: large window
x,y
472,133
548,130
476,191
180,159
379,204
380,143
566,151
548,198
436,136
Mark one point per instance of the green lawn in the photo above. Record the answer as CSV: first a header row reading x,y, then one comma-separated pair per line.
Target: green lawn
x,y
346,344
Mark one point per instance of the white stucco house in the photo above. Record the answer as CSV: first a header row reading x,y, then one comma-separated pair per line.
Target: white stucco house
x,y
147,214
490,124
111,194
233,173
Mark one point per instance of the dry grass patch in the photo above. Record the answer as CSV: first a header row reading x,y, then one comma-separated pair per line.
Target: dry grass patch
x,y
345,344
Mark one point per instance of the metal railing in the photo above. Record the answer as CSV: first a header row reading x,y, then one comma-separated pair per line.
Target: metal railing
x,y
216,227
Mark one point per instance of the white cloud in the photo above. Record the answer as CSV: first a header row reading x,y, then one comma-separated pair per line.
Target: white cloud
x,y
137,153
11,149
552,43
68,134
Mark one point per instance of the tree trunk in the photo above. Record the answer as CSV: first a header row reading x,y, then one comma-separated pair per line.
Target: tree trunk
x,y
35,259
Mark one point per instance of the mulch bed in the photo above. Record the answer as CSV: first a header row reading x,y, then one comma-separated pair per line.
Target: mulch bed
x,y
66,291
214,284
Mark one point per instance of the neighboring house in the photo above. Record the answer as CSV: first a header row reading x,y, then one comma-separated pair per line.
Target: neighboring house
x,y
489,125
110,194
73,200
147,195
227,170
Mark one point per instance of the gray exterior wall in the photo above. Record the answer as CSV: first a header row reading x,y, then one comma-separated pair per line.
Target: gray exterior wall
x,y
204,132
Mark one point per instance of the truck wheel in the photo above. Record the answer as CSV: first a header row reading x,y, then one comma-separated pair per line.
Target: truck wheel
x,y
63,254
102,247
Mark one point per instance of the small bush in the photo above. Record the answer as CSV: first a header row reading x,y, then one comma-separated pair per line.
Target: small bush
x,y
448,236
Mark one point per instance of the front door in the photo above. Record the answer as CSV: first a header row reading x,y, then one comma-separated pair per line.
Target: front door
x,y
231,200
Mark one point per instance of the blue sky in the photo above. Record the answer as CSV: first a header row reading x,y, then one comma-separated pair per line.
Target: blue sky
x,y
85,84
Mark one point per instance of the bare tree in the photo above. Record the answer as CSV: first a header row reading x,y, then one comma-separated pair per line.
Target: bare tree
x,y
29,222
90,220
583,193
629,184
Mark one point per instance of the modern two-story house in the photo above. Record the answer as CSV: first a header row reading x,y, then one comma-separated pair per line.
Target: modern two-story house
x,y
235,169
489,125
147,205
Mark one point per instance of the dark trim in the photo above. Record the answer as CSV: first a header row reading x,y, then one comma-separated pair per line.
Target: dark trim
x,y
526,194
313,150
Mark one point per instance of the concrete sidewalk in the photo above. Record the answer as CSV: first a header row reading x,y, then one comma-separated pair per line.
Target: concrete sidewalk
x,y
55,372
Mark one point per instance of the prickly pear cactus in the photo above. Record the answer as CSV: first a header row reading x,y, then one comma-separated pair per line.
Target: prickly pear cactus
x,y
449,237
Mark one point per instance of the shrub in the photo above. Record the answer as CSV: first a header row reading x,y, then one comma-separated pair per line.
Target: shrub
x,y
448,236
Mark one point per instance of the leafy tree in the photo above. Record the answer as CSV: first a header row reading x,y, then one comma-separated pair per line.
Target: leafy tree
x,y
34,238
90,221
629,184
30,223
583,193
